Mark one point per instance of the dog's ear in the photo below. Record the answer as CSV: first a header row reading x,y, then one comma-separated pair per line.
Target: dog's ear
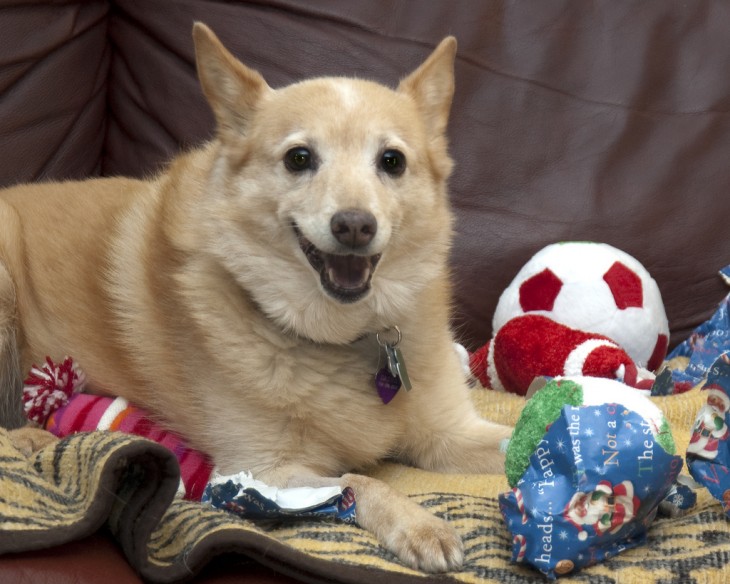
x,y
432,86
232,89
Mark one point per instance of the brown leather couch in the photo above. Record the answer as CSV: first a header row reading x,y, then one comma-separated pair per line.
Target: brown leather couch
x,y
573,120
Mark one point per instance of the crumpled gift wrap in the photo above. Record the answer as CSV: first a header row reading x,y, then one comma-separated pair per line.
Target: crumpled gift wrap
x,y
594,480
252,499
708,453
689,363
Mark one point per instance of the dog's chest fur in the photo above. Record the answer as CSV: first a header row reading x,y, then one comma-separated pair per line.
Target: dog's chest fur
x,y
307,404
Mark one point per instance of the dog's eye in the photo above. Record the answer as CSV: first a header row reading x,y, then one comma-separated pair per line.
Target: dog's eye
x,y
393,162
298,159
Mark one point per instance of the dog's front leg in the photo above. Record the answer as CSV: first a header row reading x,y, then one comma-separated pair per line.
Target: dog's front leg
x,y
469,446
419,539
453,438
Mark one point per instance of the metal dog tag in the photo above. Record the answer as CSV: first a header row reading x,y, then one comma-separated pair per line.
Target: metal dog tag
x,y
399,364
390,360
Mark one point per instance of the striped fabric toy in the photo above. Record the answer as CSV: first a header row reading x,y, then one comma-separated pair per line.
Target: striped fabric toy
x,y
52,399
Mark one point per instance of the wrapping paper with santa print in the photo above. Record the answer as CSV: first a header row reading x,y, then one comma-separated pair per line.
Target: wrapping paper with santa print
x,y
706,343
592,488
708,453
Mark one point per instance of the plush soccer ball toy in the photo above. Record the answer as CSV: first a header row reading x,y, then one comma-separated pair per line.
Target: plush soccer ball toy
x,y
595,288
589,464
575,308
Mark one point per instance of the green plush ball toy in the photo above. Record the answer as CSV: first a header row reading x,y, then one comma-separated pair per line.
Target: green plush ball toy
x,y
589,464
548,403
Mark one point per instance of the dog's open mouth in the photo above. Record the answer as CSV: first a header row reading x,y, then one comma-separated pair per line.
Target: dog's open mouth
x,y
346,277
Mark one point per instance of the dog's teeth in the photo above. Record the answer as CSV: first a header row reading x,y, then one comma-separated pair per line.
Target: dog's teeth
x,y
349,281
348,272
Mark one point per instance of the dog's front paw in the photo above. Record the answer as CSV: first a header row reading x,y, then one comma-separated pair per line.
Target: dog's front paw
x,y
428,544
420,540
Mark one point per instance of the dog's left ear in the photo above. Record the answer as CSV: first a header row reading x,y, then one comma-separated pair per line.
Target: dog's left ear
x,y
432,86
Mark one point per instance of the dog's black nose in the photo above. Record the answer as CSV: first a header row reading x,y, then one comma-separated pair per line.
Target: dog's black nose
x,y
354,227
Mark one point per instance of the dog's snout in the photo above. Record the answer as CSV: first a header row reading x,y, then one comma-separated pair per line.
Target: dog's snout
x,y
354,228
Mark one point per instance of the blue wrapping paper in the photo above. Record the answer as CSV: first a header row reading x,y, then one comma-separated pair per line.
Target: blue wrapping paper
x,y
706,343
708,453
592,488
252,502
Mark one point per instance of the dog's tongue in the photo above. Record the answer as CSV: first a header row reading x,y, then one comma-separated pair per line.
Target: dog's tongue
x,y
348,271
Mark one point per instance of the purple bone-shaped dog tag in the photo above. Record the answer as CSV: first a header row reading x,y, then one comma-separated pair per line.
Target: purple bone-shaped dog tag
x,y
387,385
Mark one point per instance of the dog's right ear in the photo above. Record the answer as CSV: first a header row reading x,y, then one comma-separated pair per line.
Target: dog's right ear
x,y
232,89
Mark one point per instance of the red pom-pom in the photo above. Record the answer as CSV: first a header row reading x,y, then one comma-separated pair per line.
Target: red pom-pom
x,y
49,387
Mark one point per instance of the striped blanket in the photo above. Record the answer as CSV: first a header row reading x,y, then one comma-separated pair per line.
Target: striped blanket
x,y
72,488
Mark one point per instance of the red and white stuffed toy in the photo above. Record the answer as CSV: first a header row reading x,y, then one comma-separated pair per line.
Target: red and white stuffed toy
x,y
576,308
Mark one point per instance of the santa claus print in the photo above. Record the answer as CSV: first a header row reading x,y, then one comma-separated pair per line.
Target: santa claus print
x,y
710,427
607,509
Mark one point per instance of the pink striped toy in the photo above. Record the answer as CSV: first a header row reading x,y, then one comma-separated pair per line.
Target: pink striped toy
x,y
52,399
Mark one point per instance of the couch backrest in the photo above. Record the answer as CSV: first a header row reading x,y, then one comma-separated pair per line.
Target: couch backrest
x,y
572,120
54,64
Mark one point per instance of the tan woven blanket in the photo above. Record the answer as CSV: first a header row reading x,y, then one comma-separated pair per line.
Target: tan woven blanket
x,y
72,488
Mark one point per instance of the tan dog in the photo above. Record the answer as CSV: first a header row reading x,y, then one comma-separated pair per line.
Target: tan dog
x,y
239,294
